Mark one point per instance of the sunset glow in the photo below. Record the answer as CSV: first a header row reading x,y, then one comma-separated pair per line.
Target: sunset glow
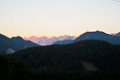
x,y
58,17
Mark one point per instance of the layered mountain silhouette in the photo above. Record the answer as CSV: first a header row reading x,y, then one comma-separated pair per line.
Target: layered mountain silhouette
x,y
71,56
62,42
22,43
84,59
96,35
118,34
13,44
17,43
49,40
99,35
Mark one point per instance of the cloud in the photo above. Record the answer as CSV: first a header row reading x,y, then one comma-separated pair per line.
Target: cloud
x,y
117,0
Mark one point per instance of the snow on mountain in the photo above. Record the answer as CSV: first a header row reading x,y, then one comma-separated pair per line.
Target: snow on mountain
x,y
48,40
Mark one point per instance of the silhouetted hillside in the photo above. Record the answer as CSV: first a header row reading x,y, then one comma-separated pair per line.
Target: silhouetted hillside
x,y
85,60
8,45
118,34
22,43
68,41
99,35
97,52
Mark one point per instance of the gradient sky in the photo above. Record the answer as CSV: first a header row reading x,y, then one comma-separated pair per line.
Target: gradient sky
x,y
58,17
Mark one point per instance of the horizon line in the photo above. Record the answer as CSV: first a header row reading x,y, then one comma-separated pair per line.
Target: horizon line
x,y
54,35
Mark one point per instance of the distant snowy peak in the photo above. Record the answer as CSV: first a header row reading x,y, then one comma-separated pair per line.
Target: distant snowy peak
x,y
49,40
95,35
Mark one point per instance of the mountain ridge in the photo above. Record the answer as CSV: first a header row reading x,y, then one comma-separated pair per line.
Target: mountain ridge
x,y
48,40
94,35
98,35
14,43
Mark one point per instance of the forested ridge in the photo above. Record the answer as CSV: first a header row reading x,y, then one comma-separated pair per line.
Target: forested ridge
x,y
64,62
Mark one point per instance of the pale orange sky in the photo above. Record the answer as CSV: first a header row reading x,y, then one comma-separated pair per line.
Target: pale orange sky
x,y
58,17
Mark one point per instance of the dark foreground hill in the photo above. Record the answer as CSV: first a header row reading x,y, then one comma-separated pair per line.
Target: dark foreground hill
x,y
85,60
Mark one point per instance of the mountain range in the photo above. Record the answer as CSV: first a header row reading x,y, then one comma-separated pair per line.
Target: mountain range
x,y
118,34
96,35
84,60
99,35
91,56
9,45
49,40
61,42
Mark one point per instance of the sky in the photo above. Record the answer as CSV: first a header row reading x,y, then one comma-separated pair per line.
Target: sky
x,y
58,17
